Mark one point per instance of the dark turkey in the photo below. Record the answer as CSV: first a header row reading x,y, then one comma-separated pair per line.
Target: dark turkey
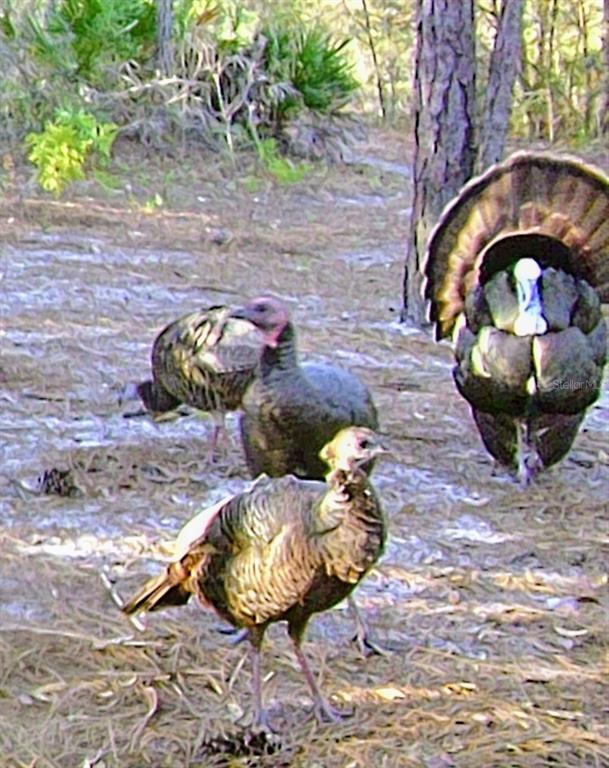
x,y
516,270
291,410
282,551
205,359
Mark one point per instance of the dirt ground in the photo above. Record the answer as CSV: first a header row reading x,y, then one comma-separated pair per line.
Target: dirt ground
x,y
491,600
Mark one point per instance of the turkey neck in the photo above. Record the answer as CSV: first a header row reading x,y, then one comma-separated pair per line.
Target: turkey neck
x,y
351,499
349,529
281,357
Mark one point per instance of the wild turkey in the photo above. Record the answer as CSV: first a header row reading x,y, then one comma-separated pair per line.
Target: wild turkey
x,y
291,411
282,551
205,359
515,270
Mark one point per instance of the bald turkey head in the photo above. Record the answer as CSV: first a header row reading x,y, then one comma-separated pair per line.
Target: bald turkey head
x,y
351,448
530,319
268,314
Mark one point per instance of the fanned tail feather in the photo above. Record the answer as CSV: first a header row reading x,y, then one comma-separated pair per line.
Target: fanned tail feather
x,y
538,204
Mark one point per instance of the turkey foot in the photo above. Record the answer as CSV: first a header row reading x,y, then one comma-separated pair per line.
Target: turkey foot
x,y
323,710
366,644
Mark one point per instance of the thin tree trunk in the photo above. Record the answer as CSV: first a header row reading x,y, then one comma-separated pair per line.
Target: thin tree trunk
x,y
444,88
375,62
604,116
550,68
588,94
164,42
503,69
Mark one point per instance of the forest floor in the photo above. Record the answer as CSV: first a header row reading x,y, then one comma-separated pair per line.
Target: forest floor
x,y
491,600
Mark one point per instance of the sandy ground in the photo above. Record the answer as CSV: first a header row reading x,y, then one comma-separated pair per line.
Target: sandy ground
x,y
491,600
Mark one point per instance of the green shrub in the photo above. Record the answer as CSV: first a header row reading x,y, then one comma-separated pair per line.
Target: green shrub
x,y
103,31
240,76
313,62
60,151
235,26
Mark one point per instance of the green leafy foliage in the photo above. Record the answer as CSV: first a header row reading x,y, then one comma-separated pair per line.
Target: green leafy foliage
x,y
61,150
322,73
7,27
242,72
313,62
236,26
51,51
227,91
102,31
282,169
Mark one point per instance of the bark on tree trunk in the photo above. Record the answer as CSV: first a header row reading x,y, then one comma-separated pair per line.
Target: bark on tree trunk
x,y
444,108
604,116
503,68
164,43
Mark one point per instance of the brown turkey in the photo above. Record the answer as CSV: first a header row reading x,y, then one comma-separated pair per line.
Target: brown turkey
x,y
516,270
205,359
282,551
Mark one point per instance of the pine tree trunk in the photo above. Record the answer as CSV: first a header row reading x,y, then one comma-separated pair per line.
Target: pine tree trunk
x,y
504,64
444,88
164,30
604,115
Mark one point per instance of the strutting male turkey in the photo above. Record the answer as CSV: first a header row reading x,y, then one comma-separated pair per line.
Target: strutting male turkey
x,y
205,359
282,551
516,269
292,409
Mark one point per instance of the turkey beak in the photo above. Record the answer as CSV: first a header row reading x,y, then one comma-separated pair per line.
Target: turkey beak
x,y
380,450
239,313
242,313
375,452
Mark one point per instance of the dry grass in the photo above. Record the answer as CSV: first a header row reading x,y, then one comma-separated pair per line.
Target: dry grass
x,y
491,600
86,686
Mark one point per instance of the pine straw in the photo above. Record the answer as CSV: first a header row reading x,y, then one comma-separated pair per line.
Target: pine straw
x,y
497,646
465,683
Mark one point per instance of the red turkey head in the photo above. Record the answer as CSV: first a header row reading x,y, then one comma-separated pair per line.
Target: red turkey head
x,y
268,314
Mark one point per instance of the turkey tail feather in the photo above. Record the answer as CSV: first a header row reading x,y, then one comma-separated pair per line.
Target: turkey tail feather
x,y
561,205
